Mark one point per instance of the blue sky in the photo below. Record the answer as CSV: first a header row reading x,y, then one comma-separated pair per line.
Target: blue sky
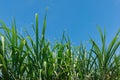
x,y
78,17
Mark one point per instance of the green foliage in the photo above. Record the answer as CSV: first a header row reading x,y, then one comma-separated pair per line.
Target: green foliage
x,y
23,58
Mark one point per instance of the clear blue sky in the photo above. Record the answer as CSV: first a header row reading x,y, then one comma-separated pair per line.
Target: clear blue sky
x,y
78,17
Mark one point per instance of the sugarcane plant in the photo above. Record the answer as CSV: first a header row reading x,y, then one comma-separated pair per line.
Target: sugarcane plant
x,y
29,58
